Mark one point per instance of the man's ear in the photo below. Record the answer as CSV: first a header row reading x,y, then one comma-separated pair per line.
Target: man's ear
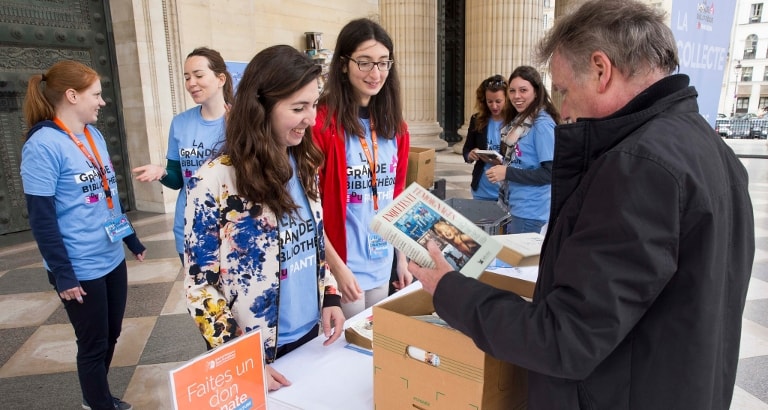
x,y
603,69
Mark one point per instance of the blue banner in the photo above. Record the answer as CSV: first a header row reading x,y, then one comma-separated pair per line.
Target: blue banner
x,y
236,68
703,34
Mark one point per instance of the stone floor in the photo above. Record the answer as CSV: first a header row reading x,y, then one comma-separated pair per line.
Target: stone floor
x,y
37,369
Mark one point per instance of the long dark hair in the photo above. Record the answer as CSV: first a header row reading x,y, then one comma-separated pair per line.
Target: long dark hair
x,y
262,169
385,107
542,101
218,66
493,84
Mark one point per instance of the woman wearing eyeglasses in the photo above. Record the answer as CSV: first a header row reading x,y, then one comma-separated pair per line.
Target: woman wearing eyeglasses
x,y
484,134
361,131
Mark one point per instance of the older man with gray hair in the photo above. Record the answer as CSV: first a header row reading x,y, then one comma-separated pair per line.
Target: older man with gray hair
x,y
645,267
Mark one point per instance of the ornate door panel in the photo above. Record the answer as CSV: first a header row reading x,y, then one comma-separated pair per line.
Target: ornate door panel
x,y
34,34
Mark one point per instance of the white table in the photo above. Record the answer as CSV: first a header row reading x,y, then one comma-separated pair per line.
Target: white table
x,y
338,377
335,377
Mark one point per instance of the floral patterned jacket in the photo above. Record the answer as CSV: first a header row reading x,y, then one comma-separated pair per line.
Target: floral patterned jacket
x,y
231,252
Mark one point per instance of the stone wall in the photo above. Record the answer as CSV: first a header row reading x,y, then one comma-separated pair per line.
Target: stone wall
x,y
152,38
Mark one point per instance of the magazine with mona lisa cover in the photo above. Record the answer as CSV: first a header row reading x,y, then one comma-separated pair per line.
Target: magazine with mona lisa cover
x,y
416,216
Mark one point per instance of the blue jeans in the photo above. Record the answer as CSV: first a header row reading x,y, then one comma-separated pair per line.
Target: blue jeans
x,y
521,225
97,323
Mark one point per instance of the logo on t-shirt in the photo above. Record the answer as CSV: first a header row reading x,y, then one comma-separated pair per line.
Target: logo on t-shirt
x,y
194,156
360,179
298,244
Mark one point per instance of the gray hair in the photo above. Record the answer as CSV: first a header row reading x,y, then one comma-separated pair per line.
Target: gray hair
x,y
633,35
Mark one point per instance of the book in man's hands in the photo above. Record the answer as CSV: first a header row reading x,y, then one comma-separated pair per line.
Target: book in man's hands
x,y
489,155
416,216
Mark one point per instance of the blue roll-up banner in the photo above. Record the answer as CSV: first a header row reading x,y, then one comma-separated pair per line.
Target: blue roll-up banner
x,y
236,69
703,33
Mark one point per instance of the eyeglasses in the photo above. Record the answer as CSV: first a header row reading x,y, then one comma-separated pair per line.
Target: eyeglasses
x,y
368,65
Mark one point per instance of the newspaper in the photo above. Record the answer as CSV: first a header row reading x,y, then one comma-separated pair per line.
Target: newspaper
x,y
416,216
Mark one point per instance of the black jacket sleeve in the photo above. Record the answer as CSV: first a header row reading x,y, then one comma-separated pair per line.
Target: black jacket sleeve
x,y
132,241
594,287
45,229
538,176
331,300
472,140
475,139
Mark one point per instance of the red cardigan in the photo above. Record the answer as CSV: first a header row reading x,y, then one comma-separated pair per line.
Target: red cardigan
x,y
333,177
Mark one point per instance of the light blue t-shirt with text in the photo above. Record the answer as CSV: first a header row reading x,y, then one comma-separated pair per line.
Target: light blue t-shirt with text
x,y
533,201
371,263
53,165
191,141
299,304
487,190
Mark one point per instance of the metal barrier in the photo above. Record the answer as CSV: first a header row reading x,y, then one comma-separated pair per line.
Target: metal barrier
x,y
742,128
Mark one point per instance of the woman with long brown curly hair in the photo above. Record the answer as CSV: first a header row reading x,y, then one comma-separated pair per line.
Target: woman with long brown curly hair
x,y
254,248
484,133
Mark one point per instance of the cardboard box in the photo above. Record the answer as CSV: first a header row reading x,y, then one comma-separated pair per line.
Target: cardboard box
x,y
461,376
421,167
488,215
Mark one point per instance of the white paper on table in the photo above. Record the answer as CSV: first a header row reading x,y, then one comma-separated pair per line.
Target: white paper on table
x,y
527,273
324,377
328,377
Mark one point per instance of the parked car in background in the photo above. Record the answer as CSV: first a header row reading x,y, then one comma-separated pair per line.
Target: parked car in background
x,y
740,127
723,128
745,116
743,127
759,128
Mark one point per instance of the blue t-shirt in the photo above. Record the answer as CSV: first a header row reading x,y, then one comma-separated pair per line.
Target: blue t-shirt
x,y
368,256
533,201
299,306
53,165
486,190
191,141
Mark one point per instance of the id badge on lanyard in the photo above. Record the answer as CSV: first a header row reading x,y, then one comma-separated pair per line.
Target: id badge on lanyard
x,y
377,247
118,227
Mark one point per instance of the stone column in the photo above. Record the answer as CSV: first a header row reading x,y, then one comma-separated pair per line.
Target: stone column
x,y
146,42
500,35
413,28
562,7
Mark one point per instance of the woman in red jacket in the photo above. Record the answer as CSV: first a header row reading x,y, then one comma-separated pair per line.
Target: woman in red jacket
x,y
361,131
